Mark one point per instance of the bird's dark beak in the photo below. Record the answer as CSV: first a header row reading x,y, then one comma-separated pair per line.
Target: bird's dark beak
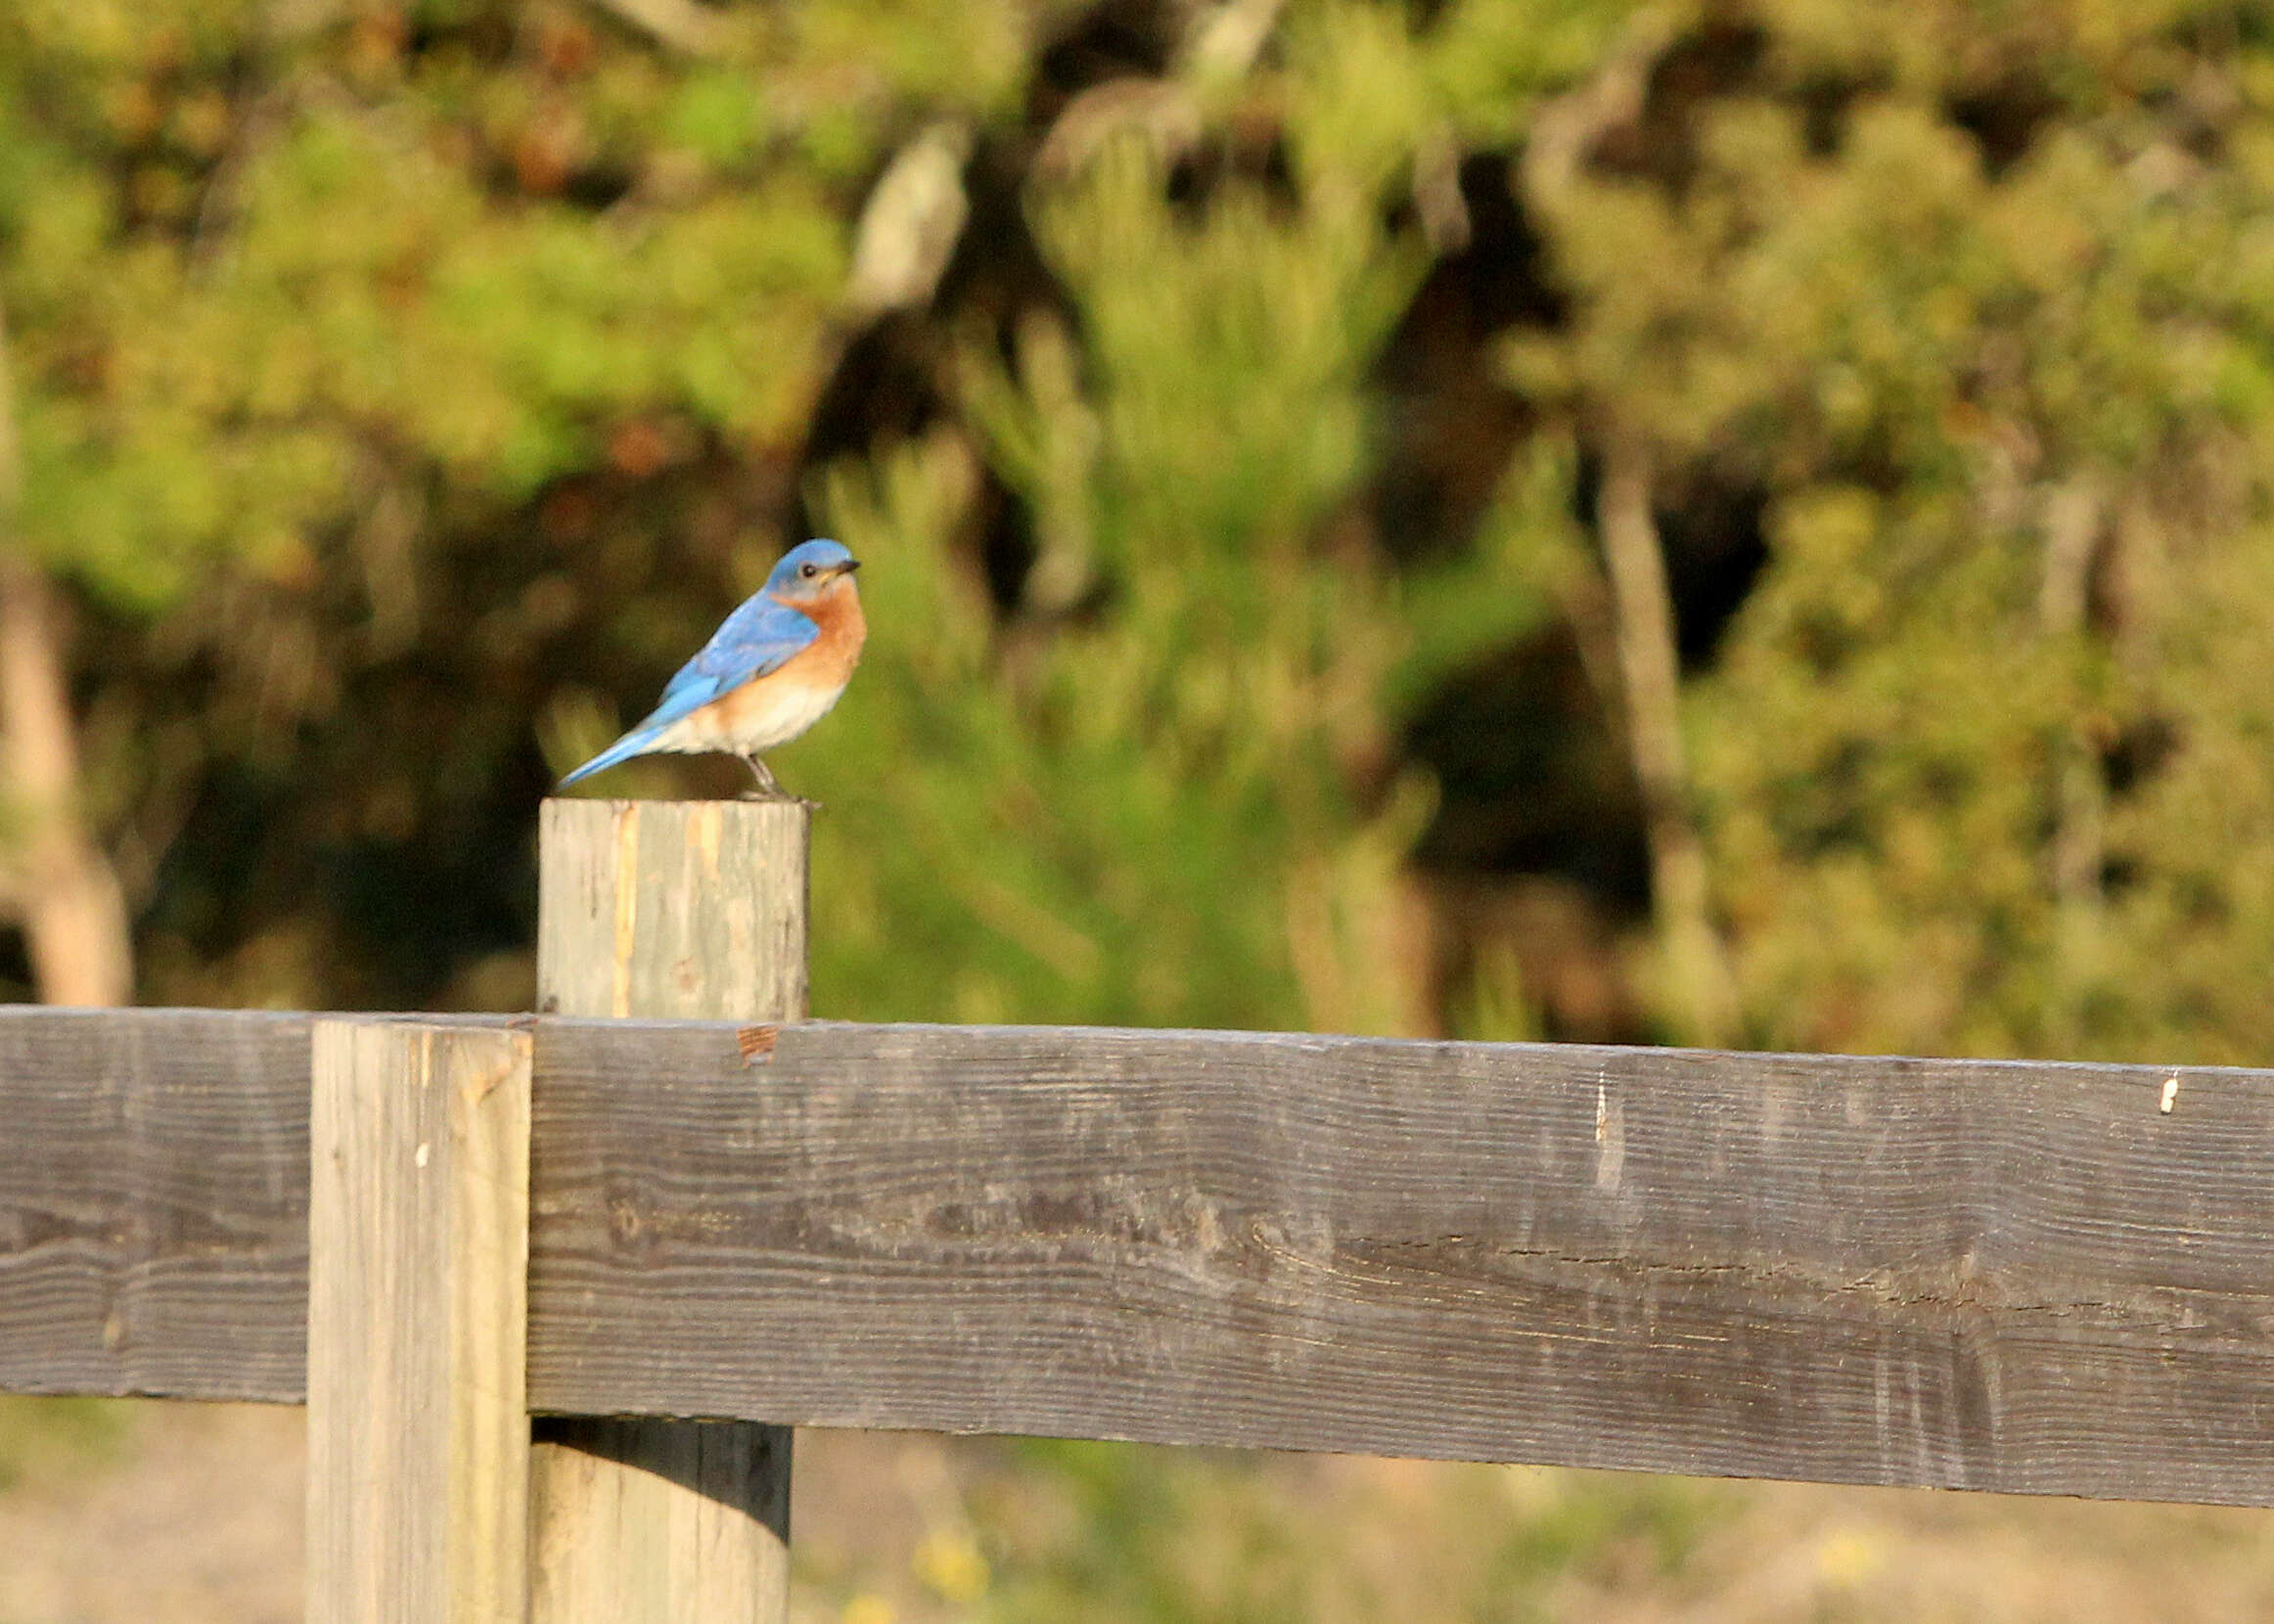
x,y
849,567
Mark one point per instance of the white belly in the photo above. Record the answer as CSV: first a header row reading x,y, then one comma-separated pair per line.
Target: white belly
x,y
752,719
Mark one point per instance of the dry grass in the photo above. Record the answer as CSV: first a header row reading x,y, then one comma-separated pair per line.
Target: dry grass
x,y
174,1513
188,1513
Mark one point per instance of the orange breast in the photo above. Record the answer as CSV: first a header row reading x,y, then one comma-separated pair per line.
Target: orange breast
x,y
836,610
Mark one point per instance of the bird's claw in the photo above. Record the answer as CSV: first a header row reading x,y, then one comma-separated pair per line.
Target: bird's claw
x,y
778,796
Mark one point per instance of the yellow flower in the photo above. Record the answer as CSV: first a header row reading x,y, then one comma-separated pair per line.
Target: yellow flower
x,y
950,1563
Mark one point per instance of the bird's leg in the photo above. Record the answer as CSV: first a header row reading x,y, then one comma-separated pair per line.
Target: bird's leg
x,y
767,789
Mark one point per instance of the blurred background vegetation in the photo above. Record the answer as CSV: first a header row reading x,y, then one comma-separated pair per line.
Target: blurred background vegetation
x,y
1715,521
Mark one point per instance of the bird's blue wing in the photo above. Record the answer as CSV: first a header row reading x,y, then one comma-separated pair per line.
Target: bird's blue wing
x,y
757,638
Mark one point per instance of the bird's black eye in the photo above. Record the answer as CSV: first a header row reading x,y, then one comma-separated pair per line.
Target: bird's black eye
x,y
807,572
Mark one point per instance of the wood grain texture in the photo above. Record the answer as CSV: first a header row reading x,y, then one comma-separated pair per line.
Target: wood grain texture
x,y
153,1202
2019,1277
418,1456
677,1500
691,909
2008,1276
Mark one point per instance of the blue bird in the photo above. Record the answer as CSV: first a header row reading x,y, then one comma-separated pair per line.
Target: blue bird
x,y
771,670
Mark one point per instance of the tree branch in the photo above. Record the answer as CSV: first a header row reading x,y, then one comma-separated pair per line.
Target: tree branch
x,y
2075,517
74,912
675,25
1700,984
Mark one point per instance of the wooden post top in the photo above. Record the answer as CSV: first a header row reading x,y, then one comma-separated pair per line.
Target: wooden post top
x,y
673,910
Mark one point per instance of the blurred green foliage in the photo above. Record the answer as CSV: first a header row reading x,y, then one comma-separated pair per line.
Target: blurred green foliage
x,y
1218,395
1028,1532
42,1436
1218,391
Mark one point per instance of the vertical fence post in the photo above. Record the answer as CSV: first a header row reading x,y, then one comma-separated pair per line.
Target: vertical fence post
x,y
690,910
418,1272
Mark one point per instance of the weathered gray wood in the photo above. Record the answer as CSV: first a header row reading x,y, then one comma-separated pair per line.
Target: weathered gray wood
x,y
153,1202
1972,1276
418,1456
678,1498
689,909
685,910
2021,1277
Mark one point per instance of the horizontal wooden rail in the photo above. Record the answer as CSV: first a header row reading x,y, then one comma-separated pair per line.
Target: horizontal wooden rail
x,y
1978,1274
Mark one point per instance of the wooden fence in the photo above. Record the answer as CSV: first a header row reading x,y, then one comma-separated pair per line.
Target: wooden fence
x,y
2021,1277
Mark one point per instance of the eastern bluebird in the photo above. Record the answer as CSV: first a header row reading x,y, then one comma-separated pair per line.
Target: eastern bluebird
x,y
769,672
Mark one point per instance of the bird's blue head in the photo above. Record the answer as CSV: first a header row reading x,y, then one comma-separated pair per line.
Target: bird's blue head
x,y
809,567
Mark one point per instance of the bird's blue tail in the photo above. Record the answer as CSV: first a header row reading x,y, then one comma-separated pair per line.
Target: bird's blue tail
x,y
635,743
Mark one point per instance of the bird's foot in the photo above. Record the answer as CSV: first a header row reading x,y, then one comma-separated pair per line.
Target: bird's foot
x,y
766,789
